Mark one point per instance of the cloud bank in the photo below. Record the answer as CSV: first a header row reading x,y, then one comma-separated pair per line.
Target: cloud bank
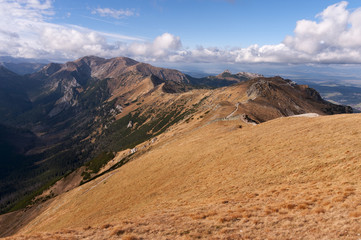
x,y
25,31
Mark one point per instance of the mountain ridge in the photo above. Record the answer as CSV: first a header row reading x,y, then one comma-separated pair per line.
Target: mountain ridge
x,y
81,111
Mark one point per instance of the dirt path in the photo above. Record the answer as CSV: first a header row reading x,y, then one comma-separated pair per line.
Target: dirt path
x,y
231,114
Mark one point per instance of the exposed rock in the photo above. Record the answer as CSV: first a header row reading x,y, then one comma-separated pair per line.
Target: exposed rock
x,y
245,118
68,99
133,150
119,108
259,88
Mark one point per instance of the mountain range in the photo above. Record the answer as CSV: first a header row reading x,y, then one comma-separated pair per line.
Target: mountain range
x,y
69,125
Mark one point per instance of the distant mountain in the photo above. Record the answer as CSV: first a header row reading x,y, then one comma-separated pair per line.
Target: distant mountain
x,y
225,78
13,97
23,68
241,76
10,59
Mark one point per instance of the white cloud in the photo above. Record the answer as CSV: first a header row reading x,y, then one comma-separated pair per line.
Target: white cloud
x,y
334,37
314,37
25,32
163,48
114,13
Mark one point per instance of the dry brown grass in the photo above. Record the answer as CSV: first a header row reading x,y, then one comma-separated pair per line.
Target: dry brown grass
x,y
290,178
129,237
105,226
117,232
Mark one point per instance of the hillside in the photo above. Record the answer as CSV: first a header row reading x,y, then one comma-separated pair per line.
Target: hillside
x,y
279,180
86,111
69,107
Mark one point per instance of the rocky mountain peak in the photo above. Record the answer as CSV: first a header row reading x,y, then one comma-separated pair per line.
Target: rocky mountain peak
x,y
224,74
290,98
249,75
91,60
48,70
261,87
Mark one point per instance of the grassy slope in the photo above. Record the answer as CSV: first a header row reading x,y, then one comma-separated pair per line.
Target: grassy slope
x,y
286,178
86,137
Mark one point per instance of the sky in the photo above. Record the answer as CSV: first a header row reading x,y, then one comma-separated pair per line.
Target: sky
x,y
185,33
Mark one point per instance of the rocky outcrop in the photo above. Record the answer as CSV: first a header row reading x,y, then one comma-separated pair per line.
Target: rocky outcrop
x,y
245,118
288,98
260,88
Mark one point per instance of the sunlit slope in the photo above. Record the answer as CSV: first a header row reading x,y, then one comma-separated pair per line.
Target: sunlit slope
x,y
288,177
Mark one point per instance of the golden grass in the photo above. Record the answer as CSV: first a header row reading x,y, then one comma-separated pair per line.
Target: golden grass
x,y
289,178
105,226
118,232
129,237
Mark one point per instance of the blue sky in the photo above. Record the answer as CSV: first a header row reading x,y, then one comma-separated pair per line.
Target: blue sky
x,y
209,34
210,23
